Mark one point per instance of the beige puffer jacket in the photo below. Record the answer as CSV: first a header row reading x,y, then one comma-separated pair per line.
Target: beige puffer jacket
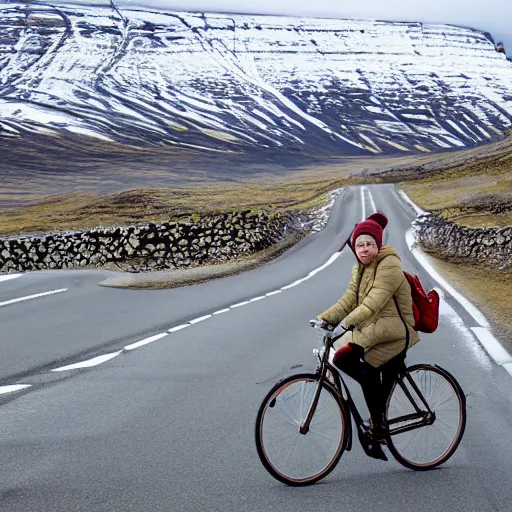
x,y
370,308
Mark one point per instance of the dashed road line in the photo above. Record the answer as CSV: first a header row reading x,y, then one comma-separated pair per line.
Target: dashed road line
x,y
146,341
374,208
8,277
101,359
363,206
178,328
95,361
12,388
239,304
30,297
200,319
225,310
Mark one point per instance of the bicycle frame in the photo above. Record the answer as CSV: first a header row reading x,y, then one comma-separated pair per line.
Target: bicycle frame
x,y
424,417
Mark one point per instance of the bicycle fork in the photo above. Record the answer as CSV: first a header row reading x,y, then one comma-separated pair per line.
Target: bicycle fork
x,y
304,427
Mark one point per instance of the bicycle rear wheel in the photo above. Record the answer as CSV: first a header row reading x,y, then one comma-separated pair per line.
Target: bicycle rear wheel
x,y
289,456
437,435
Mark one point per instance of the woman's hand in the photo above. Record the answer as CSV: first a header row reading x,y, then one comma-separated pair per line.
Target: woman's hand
x,y
346,327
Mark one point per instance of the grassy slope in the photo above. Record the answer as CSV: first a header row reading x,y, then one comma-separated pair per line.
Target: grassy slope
x,y
85,210
473,188
81,183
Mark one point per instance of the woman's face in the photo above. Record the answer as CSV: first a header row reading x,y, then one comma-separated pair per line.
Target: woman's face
x,y
366,249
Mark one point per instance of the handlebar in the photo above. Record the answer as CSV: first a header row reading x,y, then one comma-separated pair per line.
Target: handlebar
x,y
329,330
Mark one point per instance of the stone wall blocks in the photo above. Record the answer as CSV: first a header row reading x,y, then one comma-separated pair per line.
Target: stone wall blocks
x,y
489,245
236,233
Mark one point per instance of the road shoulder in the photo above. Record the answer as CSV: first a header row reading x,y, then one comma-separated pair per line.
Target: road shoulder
x,y
177,278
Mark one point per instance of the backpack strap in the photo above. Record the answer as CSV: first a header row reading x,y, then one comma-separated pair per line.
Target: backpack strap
x,y
407,336
405,325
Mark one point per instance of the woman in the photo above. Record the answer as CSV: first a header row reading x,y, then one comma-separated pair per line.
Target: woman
x,y
377,305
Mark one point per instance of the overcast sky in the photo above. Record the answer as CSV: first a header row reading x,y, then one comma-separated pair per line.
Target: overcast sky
x,y
494,16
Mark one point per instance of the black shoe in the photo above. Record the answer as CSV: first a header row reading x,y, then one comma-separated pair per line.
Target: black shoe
x,y
376,452
371,449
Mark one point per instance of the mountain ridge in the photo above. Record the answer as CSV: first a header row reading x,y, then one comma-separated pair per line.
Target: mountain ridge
x,y
214,83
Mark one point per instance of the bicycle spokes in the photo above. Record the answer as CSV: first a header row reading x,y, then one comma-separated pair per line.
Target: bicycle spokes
x,y
426,417
290,455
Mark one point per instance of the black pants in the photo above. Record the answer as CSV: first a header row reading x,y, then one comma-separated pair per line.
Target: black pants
x,y
375,382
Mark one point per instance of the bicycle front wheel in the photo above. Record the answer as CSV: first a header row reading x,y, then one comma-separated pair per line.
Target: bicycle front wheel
x,y
289,456
434,435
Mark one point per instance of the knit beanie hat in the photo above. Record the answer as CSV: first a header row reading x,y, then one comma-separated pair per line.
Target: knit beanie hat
x,y
374,226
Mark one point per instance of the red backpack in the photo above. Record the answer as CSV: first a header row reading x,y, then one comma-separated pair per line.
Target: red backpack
x,y
425,306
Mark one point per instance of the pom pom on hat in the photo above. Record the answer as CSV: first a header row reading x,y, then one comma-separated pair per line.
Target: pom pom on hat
x,y
379,218
373,226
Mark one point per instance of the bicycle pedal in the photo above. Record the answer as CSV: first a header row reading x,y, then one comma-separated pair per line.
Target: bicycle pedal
x,y
377,438
372,449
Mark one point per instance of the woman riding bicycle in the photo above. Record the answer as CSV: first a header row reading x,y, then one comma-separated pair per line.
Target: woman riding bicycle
x,y
377,305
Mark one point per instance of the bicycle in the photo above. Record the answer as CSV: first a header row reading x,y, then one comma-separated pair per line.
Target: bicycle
x,y
304,423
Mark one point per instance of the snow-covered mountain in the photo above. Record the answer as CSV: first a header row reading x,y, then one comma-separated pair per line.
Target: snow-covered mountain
x,y
239,83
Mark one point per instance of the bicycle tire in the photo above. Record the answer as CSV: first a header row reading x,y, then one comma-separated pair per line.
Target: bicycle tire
x,y
437,377
262,427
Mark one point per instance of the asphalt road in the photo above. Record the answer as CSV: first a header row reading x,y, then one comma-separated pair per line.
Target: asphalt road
x,y
169,426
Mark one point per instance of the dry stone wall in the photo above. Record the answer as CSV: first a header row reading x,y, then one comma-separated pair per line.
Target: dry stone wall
x,y
492,246
187,242
211,238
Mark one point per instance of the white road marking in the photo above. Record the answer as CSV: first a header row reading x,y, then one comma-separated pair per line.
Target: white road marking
x,y
141,343
178,327
29,297
8,277
494,348
258,298
415,207
221,311
239,304
401,203
15,387
199,319
295,283
90,362
374,208
466,335
273,293
333,258
363,213
508,367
